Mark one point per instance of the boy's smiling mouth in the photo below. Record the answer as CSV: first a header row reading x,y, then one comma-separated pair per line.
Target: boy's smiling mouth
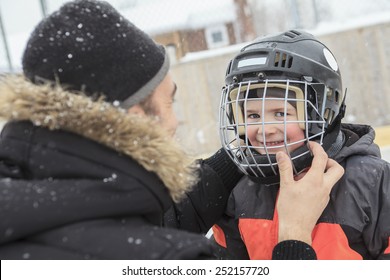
x,y
274,144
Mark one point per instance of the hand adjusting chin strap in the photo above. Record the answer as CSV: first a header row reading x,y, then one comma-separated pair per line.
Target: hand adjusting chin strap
x,y
270,178
332,143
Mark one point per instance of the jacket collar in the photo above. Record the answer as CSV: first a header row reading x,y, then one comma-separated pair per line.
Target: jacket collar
x,y
140,138
359,141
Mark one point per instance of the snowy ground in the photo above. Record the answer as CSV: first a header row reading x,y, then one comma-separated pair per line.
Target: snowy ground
x,y
386,153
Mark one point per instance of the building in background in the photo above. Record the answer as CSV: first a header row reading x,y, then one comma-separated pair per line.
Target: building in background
x,y
198,27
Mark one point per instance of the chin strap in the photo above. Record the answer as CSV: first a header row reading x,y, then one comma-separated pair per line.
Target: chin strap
x,y
337,145
303,159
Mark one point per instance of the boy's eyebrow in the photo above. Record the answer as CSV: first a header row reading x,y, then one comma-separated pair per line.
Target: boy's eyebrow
x,y
253,109
276,108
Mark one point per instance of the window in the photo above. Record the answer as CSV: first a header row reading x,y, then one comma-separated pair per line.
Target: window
x,y
217,36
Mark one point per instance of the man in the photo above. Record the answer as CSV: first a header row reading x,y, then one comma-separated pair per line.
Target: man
x,y
89,167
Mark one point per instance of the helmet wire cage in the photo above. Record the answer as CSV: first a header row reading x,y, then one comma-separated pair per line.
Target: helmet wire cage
x,y
259,160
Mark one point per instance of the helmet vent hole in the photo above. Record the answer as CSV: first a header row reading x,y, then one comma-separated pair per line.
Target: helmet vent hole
x,y
282,60
290,60
292,34
337,96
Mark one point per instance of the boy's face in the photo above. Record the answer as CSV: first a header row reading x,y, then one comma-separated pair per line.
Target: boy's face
x,y
270,134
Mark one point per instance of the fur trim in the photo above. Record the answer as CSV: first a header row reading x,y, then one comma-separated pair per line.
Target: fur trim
x,y
138,137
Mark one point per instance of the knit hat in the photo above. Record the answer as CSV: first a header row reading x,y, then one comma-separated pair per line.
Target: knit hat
x,y
87,45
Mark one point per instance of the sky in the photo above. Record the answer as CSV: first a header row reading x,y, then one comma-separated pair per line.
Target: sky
x,y
21,16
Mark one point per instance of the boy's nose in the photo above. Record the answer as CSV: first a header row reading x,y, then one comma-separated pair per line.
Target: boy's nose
x,y
267,129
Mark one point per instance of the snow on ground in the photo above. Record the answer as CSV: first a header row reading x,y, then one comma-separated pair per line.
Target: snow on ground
x,y
386,153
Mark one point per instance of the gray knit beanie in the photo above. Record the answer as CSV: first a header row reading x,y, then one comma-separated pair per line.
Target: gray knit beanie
x,y
87,45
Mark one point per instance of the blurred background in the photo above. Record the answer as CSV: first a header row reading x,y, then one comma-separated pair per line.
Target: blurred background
x,y
202,36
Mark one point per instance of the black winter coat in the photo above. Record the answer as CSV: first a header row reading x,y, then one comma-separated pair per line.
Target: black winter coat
x,y
83,180
354,225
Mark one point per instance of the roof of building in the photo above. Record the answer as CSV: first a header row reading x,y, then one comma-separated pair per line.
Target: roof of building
x,y
185,15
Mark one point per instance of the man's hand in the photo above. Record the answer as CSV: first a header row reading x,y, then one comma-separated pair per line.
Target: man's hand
x,y
301,201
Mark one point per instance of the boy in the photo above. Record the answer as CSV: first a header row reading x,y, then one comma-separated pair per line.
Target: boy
x,y
281,93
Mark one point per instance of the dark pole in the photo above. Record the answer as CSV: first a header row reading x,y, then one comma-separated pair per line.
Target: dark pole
x,y
316,13
44,8
5,44
295,13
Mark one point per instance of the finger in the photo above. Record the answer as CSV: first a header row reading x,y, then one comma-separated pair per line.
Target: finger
x,y
320,158
285,168
333,173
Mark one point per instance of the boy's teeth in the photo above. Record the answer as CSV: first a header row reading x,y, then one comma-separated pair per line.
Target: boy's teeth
x,y
274,143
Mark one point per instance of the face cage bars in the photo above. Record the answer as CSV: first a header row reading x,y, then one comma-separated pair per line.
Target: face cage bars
x,y
241,151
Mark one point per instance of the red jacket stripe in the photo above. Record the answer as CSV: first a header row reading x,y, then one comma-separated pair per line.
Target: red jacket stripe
x,y
219,236
387,251
331,243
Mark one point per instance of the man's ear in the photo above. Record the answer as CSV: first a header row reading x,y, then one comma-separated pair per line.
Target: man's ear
x,y
137,110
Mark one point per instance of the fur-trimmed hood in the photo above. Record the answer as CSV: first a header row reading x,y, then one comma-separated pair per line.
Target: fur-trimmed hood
x,y
138,137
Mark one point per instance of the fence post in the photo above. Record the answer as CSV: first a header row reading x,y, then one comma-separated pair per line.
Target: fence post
x,y
5,44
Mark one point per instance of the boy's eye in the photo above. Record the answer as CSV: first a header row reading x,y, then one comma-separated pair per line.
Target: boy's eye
x,y
279,114
253,116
